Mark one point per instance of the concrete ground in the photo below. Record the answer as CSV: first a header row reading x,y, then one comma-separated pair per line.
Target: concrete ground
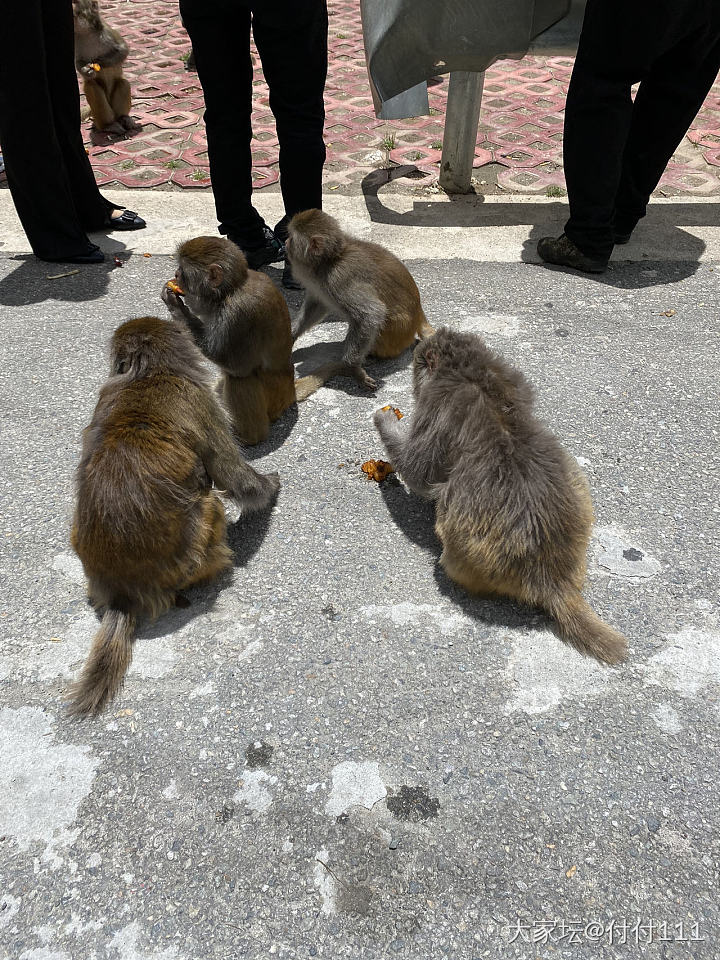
x,y
334,752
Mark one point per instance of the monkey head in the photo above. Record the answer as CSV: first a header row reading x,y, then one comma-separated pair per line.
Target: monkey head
x,y
210,268
87,16
313,238
145,344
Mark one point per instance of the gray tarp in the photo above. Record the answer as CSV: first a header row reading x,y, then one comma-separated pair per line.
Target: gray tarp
x,y
409,41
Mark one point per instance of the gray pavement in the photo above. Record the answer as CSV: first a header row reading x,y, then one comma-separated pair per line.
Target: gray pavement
x,y
334,752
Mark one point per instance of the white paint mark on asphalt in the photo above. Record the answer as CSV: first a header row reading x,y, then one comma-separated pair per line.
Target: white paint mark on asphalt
x,y
68,564
543,672
63,657
124,946
354,784
253,792
667,718
42,953
689,663
171,791
616,555
325,882
153,657
9,906
42,783
440,617
255,646
94,860
504,324
204,690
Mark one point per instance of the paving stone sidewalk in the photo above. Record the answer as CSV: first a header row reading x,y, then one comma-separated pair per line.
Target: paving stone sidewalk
x,y
519,147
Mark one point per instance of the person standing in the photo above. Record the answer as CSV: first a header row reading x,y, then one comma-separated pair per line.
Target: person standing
x,y
48,170
291,39
615,150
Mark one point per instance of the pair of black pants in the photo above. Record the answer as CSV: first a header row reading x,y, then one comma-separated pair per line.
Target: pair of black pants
x,y
291,38
615,151
49,174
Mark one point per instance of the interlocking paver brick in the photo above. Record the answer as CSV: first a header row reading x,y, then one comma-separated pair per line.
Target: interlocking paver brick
x,y
521,124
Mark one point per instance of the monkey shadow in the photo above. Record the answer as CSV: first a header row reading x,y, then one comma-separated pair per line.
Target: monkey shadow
x,y
32,280
415,518
245,537
314,355
280,430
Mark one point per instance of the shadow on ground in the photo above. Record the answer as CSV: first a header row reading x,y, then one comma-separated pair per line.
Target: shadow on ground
x,y
627,270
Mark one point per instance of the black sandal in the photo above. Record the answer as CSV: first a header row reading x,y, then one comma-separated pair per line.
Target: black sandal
x,y
128,220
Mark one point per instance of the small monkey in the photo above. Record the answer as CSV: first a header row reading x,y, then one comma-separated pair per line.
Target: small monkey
x,y
361,282
240,321
513,509
100,52
147,523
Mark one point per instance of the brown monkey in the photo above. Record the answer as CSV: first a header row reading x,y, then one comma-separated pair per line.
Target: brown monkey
x,y
513,510
240,321
100,52
147,523
361,282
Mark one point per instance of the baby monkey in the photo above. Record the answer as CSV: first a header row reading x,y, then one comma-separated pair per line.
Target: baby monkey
x,y
240,321
147,523
100,52
362,283
513,509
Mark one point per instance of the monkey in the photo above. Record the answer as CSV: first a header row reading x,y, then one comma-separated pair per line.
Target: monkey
x,y
147,523
100,52
513,509
240,321
361,282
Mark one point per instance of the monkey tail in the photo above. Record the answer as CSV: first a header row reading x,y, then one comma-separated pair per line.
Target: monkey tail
x,y
306,386
425,329
580,626
106,665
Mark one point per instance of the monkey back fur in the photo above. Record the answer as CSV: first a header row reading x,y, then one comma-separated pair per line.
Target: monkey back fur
x,y
513,509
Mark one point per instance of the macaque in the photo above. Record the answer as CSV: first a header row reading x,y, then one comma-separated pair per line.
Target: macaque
x,y
240,321
100,52
147,523
361,283
513,509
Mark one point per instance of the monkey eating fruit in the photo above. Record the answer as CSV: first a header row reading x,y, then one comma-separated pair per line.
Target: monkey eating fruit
x,y
240,321
362,283
513,509
100,52
147,523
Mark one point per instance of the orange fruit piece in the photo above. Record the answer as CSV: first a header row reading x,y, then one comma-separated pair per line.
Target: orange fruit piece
x,y
377,470
175,288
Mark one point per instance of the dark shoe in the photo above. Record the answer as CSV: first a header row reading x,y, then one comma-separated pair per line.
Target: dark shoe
x,y
563,252
128,220
267,249
288,279
93,255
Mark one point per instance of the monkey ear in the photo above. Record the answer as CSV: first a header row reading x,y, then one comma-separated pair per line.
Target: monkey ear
x,y
431,360
215,274
316,243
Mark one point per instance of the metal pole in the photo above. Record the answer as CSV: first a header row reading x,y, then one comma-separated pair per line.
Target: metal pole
x,y
461,126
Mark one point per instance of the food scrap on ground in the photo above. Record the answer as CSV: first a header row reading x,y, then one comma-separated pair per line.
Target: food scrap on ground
x,y
59,276
377,470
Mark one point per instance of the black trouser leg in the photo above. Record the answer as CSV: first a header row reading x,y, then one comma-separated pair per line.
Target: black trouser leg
x,y
291,37
620,44
667,102
220,35
45,172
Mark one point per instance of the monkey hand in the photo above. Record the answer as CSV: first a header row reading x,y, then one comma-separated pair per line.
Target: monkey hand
x,y
384,416
362,377
262,495
171,299
90,70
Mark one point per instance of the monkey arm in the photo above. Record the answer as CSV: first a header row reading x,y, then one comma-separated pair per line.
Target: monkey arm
x,y
364,322
225,466
180,311
417,450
